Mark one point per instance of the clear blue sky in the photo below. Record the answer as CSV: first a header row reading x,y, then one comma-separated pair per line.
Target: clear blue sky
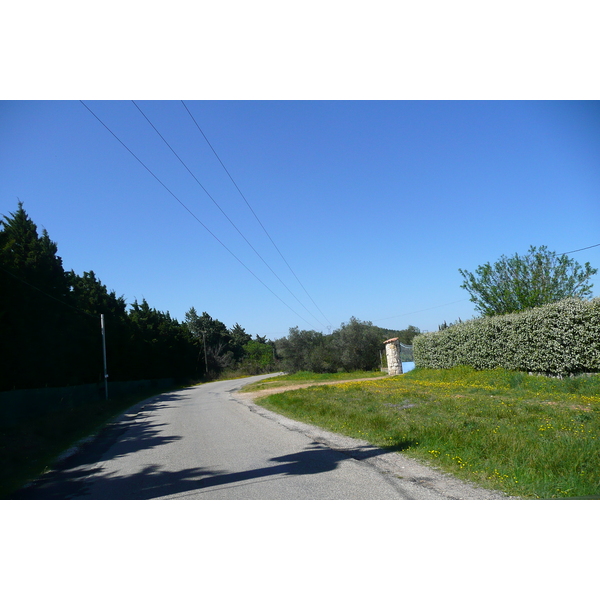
x,y
375,205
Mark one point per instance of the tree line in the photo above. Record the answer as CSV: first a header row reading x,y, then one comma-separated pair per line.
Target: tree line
x,y
50,333
356,346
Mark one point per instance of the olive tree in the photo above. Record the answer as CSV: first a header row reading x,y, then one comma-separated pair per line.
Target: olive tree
x,y
358,344
516,283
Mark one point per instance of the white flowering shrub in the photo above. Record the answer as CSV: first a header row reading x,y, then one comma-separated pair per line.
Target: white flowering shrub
x,y
562,338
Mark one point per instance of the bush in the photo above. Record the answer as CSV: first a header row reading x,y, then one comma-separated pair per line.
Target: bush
x,y
558,339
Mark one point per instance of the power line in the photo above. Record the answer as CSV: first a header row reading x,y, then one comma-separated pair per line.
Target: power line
x,y
252,210
580,249
422,310
222,211
189,211
457,301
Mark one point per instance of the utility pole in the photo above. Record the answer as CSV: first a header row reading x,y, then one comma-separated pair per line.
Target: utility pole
x,y
104,353
205,359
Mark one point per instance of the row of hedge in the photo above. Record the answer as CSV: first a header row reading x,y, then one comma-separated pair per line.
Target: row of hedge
x,y
558,339
21,406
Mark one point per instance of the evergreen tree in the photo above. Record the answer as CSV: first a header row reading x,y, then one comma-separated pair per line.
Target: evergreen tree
x,y
160,347
215,340
238,339
50,321
90,296
35,316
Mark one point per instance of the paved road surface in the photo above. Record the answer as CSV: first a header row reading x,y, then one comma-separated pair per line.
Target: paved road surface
x,y
212,443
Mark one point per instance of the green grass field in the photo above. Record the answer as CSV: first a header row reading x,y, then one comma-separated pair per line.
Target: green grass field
x,y
529,436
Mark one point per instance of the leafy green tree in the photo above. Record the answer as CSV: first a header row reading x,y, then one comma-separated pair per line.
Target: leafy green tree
x,y
406,336
516,283
258,357
304,350
358,344
215,340
145,340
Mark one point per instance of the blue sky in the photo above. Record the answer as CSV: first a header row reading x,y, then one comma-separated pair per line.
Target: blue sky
x,y
375,205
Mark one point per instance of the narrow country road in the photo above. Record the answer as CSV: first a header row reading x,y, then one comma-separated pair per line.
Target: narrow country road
x,y
212,443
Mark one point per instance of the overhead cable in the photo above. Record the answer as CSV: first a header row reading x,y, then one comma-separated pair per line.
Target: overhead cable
x,y
222,211
457,301
189,211
252,210
422,310
580,249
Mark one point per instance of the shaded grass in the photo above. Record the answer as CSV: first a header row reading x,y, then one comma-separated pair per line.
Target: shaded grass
x,y
28,450
528,436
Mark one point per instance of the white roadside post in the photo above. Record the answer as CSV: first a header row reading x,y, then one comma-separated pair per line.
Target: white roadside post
x,y
104,353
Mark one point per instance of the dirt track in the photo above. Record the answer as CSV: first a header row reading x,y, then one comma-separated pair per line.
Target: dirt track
x,y
298,386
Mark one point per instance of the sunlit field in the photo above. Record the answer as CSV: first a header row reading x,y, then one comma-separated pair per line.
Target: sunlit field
x,y
528,436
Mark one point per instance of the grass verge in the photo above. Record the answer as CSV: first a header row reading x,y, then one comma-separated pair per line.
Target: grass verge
x,y
529,436
27,451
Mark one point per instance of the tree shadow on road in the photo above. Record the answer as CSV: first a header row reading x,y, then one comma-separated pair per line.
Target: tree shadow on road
x,y
91,482
83,476
316,459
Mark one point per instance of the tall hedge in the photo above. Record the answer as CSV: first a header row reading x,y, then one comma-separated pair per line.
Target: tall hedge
x,y
559,339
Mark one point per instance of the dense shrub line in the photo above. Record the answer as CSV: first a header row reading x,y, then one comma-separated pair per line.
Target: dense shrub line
x,y
558,339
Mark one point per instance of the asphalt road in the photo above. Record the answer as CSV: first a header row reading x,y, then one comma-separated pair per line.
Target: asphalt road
x,y
212,443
